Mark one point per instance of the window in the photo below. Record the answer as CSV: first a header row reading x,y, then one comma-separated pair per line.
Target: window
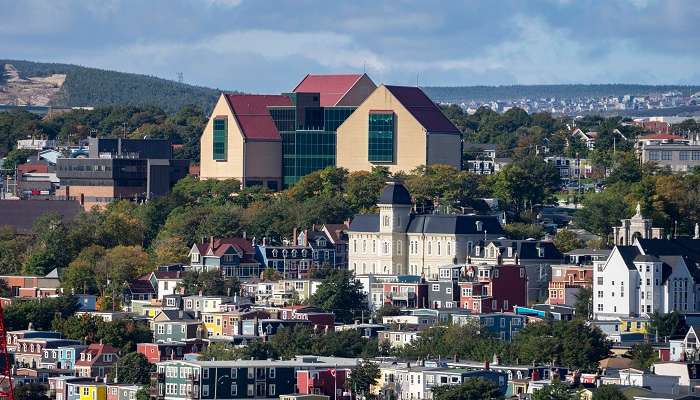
x,y
234,389
448,290
600,294
666,155
600,280
654,155
220,139
600,307
684,155
381,137
271,390
271,373
436,287
205,375
195,257
205,390
251,390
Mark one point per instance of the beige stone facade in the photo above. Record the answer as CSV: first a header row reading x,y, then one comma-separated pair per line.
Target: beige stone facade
x,y
415,145
250,161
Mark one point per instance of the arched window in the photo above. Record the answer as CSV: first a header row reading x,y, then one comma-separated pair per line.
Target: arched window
x,y
438,248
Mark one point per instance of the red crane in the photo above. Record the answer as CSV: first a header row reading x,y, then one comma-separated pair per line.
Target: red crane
x,y
6,389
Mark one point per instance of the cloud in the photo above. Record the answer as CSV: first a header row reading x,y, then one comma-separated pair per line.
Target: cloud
x,y
223,3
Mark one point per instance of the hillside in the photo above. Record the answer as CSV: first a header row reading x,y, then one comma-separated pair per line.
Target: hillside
x,y
70,85
459,94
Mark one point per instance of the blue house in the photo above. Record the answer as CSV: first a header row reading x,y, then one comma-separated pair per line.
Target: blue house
x,y
502,325
67,355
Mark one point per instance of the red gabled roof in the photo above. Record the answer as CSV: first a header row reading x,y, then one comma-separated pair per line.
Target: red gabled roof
x,y
423,109
221,246
251,113
332,88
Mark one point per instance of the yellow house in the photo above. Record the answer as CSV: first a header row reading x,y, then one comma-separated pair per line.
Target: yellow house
x,y
398,127
213,323
88,390
241,140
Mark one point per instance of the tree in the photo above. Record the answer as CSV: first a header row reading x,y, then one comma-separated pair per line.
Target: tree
x,y
271,274
79,277
554,391
386,310
31,391
666,325
121,264
363,188
133,368
471,389
602,211
643,356
143,393
363,376
608,392
572,344
341,294
526,182
566,240
17,157
584,303
40,312
48,251
208,283
520,231
219,352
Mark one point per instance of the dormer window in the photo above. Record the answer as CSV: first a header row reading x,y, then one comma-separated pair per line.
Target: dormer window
x,y
479,226
304,253
195,257
294,253
387,220
274,253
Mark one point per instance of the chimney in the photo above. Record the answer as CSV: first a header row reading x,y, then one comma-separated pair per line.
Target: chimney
x,y
306,236
211,242
244,235
294,236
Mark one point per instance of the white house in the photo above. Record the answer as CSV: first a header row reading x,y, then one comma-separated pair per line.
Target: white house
x,y
650,275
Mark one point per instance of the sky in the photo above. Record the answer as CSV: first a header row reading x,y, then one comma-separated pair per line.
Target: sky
x,y
265,46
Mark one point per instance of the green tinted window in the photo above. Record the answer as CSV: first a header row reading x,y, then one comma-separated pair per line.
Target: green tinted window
x,y
220,139
381,137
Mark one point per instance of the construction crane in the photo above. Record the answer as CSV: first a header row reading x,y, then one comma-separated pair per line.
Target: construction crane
x,y
6,390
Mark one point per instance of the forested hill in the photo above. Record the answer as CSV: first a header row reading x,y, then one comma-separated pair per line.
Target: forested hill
x,y
85,86
489,93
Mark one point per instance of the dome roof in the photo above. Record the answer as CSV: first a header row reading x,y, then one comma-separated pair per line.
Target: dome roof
x,y
395,193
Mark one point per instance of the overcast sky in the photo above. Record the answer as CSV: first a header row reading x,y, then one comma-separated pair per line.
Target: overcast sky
x,y
267,46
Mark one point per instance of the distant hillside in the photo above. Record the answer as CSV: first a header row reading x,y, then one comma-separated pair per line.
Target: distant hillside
x,y
459,94
33,82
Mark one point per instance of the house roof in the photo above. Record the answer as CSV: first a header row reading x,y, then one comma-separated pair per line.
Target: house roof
x,y
96,349
662,136
331,88
394,193
525,249
456,224
222,246
252,114
628,254
423,109
336,232
21,214
168,274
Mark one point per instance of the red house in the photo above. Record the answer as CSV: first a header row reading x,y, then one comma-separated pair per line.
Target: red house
x,y
326,382
406,294
490,288
157,352
320,319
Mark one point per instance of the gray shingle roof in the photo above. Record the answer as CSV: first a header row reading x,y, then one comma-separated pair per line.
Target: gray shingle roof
x,y
435,223
394,193
628,254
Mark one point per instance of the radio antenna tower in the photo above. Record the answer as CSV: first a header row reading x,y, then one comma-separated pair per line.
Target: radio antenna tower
x,y
180,77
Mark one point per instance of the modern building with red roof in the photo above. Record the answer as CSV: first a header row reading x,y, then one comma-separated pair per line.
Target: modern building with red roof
x,y
348,90
241,140
398,127
273,140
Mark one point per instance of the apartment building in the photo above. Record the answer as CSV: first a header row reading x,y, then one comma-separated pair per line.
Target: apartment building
x,y
677,153
651,275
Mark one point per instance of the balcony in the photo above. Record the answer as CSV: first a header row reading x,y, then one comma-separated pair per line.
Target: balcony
x,y
405,296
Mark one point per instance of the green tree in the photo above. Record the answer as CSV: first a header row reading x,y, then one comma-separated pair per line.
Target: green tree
x,y
40,312
133,368
526,182
386,310
471,389
643,356
31,391
666,325
566,240
121,264
554,391
608,392
17,157
363,376
521,231
79,277
341,294
48,251
143,393
602,211
584,303
209,283
219,352
363,188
